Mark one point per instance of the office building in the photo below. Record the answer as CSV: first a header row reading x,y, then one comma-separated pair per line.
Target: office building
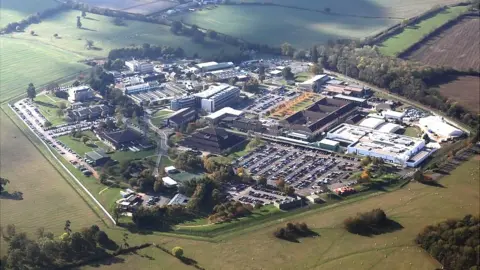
x,y
80,93
182,102
217,97
181,117
139,66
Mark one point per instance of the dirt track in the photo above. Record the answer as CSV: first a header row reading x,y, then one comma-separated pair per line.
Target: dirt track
x,y
457,46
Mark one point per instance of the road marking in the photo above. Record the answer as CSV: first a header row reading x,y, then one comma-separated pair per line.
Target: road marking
x,y
103,190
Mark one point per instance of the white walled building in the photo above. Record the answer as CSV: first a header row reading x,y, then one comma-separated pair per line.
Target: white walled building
x,y
438,126
394,148
217,97
80,93
138,66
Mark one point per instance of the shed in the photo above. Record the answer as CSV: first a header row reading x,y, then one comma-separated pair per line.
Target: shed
x,y
98,158
171,169
328,144
169,182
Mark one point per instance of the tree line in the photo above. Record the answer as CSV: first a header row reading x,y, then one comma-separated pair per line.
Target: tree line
x,y
49,252
291,231
32,19
455,243
409,79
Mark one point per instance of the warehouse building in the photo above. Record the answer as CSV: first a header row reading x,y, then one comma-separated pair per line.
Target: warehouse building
x,y
330,145
371,122
437,126
181,118
389,114
97,158
217,116
321,116
212,66
139,66
394,148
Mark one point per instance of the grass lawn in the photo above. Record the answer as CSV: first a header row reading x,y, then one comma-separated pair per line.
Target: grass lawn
x,y
413,206
81,148
24,61
412,34
48,106
129,155
412,132
48,199
301,28
303,76
15,11
158,117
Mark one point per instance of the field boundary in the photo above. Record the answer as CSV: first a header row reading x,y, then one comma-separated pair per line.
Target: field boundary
x,y
66,169
415,46
398,28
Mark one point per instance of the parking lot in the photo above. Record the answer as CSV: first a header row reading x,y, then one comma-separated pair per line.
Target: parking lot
x,y
269,100
255,194
308,171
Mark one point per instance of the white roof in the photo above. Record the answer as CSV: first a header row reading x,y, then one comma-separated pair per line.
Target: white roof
x,y
437,125
329,142
207,64
389,128
390,113
170,168
223,111
371,122
314,79
179,199
350,98
214,89
169,181
275,72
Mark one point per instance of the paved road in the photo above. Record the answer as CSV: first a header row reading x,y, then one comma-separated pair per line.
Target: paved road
x,y
162,146
397,97
71,157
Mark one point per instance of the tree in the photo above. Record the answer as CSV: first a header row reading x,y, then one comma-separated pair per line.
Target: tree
x,y
366,161
118,64
287,49
79,23
31,93
89,44
327,9
59,112
116,212
212,34
198,36
177,252
32,33
84,14
252,85
47,124
299,55
365,176
314,54
85,139
102,238
418,176
287,73
3,183
55,35
62,105
118,21
262,180
280,183
289,190
158,185
315,69
176,27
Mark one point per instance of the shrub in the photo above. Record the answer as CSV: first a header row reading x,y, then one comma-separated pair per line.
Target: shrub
x,y
177,252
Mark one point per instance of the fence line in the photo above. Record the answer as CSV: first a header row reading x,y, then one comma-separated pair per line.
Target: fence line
x,y
68,171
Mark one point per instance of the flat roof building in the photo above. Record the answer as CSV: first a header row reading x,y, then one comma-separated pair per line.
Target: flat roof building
x,y
80,93
120,139
218,115
98,157
139,66
169,182
314,83
438,126
217,97
179,199
213,140
392,148
212,66
182,117
371,122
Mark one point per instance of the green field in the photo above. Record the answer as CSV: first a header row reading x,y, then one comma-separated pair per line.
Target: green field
x,y
158,117
42,58
413,206
414,33
14,10
48,199
261,24
24,61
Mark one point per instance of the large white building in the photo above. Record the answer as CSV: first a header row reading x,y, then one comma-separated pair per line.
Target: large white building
x,y
438,126
80,93
138,66
142,87
394,148
212,66
217,97
314,83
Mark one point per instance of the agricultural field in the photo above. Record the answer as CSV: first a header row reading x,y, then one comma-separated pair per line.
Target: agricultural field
x,y
414,207
23,61
373,8
457,46
412,34
14,10
48,199
301,28
107,36
465,90
134,6
150,258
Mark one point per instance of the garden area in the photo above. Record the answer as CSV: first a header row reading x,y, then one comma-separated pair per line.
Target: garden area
x,y
51,108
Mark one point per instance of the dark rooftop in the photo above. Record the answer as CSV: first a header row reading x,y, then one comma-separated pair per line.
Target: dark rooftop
x,y
122,136
213,140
